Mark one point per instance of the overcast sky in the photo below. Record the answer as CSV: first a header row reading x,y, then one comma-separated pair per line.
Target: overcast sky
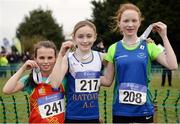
x,y
66,13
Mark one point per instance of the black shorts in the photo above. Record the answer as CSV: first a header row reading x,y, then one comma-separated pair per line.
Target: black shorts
x,y
131,119
81,121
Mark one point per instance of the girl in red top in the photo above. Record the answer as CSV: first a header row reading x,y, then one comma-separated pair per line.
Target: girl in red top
x,y
46,103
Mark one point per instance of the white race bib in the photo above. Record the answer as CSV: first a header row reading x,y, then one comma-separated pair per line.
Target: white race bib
x,y
87,85
51,105
132,97
131,93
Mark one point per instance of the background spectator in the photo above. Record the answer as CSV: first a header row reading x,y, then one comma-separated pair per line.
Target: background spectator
x,y
3,64
167,72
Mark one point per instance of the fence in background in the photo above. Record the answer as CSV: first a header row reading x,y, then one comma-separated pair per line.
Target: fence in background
x,y
4,70
16,109
9,70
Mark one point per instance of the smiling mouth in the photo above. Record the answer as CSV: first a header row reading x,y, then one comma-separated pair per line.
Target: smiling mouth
x,y
130,29
46,66
85,46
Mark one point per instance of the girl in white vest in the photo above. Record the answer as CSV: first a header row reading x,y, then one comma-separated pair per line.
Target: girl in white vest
x,y
83,70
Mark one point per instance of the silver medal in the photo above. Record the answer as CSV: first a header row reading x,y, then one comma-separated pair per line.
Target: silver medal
x,y
146,33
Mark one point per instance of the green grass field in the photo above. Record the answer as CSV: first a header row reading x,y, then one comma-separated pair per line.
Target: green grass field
x,y
166,98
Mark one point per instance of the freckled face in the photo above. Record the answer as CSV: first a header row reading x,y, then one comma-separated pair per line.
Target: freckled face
x,y
130,22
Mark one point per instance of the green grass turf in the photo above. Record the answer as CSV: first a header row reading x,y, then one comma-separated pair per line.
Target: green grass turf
x,y
170,114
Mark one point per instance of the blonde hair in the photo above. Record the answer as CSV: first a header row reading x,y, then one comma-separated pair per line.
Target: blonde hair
x,y
122,8
82,24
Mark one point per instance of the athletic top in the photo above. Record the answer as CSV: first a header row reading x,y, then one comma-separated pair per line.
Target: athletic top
x,y
46,103
132,75
83,81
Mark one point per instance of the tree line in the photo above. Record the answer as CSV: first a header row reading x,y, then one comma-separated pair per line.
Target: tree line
x,y
40,24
